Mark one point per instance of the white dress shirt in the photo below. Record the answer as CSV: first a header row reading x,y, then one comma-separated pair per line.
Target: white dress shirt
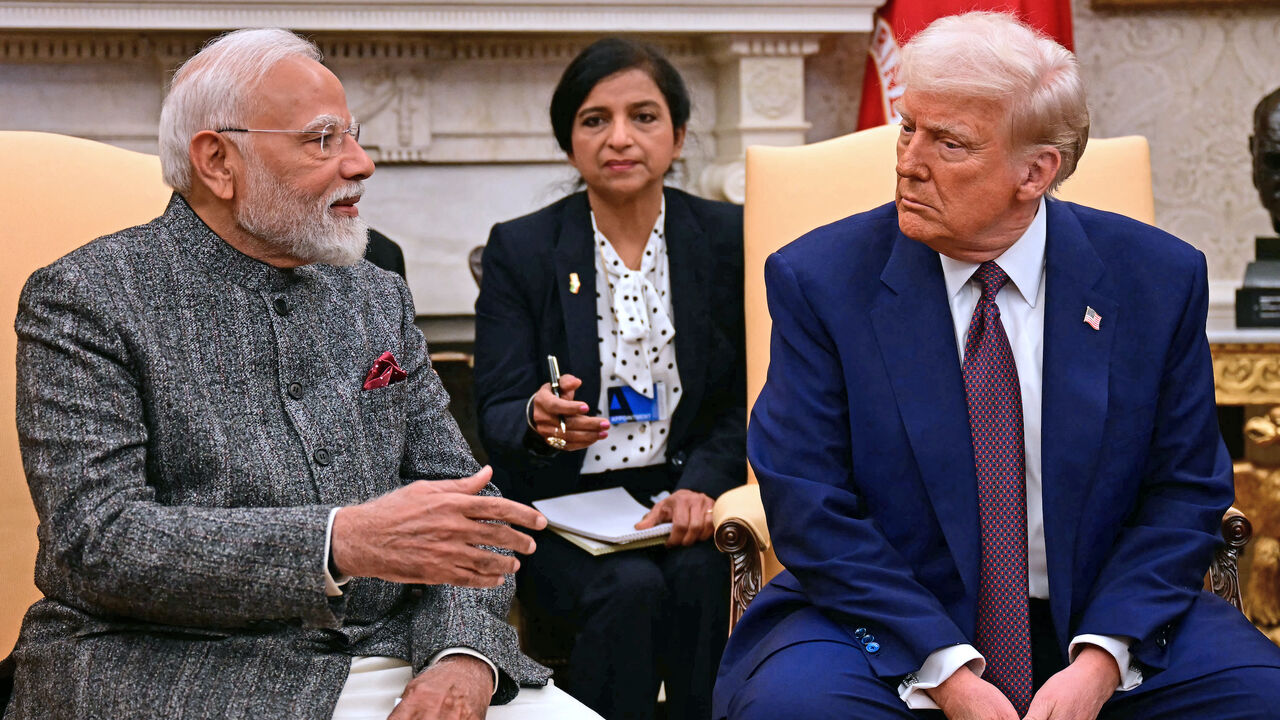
x,y
1021,303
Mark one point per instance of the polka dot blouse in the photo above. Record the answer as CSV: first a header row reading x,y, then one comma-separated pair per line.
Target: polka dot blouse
x,y
635,337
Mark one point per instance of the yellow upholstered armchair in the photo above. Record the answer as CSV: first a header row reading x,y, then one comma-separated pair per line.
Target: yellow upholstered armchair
x,y
59,193
790,191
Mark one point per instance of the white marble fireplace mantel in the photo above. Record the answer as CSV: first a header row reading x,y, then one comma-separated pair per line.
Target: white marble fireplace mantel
x,y
453,95
595,16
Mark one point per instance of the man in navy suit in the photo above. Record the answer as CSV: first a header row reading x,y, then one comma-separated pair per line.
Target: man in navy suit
x,y
987,446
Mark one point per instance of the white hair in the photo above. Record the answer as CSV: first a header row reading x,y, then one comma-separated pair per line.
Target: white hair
x,y
994,56
214,89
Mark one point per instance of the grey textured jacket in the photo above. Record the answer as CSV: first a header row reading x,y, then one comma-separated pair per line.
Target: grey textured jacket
x,y
188,416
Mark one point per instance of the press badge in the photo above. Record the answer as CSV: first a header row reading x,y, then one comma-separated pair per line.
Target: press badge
x,y
626,405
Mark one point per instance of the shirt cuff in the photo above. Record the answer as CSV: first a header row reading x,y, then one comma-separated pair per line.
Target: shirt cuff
x,y
467,651
1116,647
940,665
332,585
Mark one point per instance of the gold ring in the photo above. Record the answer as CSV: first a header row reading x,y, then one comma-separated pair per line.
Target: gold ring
x,y
556,442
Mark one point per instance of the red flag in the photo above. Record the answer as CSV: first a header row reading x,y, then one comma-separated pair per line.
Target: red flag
x,y
898,20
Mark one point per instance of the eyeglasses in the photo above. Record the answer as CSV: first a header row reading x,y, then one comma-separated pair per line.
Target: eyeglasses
x,y
329,137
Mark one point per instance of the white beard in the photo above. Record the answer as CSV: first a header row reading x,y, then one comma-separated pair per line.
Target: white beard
x,y
297,225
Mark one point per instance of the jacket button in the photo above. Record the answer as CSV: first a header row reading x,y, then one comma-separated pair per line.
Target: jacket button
x,y
873,647
322,457
1161,641
868,640
282,306
295,391
859,632
677,461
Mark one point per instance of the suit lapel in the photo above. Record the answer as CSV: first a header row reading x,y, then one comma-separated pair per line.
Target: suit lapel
x,y
913,326
688,262
1076,370
575,253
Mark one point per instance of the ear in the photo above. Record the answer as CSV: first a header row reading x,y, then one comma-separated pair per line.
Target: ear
x,y
215,163
1039,171
680,133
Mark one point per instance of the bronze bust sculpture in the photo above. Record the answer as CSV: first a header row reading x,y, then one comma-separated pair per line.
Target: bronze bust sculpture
x,y
1264,145
1258,302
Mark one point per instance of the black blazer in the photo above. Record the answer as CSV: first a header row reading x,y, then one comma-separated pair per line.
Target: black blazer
x,y
384,252
526,311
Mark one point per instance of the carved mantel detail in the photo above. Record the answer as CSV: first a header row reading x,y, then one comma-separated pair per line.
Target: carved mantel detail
x,y
398,106
760,89
770,91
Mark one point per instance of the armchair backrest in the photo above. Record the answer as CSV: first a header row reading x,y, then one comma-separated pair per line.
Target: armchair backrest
x,y
59,193
792,190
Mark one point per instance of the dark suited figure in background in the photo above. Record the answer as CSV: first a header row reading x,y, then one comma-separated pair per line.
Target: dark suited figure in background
x,y
635,287
1264,146
385,253
243,464
987,445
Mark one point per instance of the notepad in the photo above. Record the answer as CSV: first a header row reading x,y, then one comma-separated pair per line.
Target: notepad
x,y
598,547
608,515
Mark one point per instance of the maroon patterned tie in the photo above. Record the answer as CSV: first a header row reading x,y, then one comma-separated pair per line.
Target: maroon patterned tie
x,y
995,420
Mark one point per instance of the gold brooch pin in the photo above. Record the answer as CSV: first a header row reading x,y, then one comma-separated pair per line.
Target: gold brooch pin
x,y
574,284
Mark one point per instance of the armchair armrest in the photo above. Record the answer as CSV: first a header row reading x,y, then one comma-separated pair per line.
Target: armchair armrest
x,y
1224,572
742,507
743,535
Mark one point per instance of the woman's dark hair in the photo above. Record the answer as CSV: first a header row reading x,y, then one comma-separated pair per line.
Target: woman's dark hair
x,y
598,61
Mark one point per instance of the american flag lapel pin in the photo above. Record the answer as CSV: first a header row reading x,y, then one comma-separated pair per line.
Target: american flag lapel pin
x,y
574,283
1092,318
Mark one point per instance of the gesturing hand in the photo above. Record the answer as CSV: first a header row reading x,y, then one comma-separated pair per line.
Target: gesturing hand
x,y
458,687
965,696
426,532
581,429
1078,691
688,512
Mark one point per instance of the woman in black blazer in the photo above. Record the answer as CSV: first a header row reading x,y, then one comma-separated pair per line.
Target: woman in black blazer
x,y
636,288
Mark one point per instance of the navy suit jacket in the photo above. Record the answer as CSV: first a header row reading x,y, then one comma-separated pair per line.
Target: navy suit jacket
x,y
526,310
861,443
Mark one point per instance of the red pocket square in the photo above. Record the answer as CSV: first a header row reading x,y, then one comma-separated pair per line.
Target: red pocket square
x,y
385,371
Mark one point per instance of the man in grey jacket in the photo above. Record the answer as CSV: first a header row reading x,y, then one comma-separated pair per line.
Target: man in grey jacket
x,y
243,463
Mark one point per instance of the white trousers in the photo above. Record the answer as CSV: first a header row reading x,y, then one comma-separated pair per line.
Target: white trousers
x,y
375,684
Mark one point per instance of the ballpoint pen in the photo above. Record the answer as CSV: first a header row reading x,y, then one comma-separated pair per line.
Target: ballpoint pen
x,y
553,369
